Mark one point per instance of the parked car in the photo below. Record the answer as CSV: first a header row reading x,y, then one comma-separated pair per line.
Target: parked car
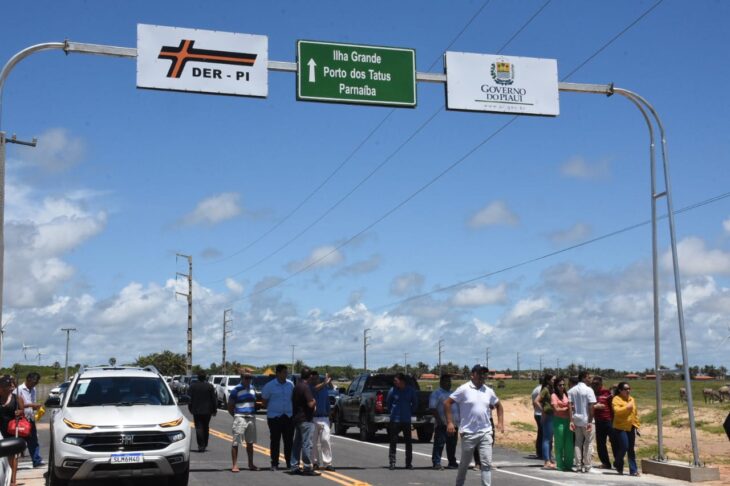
x,y
118,422
364,406
223,390
185,383
59,390
215,379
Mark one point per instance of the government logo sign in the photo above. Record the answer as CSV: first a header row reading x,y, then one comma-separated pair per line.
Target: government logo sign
x,y
501,84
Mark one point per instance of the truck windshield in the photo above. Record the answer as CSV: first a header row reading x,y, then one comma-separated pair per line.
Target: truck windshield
x,y
119,391
260,380
234,380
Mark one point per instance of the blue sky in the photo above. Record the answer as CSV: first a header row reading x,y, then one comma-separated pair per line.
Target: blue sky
x,y
124,178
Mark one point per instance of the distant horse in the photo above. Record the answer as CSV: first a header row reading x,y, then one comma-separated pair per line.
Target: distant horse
x,y
682,394
724,392
708,394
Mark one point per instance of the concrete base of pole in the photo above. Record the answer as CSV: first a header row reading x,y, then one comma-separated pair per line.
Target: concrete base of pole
x,y
680,470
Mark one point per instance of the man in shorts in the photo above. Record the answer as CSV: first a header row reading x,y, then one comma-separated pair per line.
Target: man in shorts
x,y
242,406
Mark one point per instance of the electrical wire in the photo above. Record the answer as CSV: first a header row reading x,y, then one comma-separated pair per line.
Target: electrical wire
x,y
442,173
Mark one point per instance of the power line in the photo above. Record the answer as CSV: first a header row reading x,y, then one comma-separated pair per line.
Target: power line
x,y
352,153
438,176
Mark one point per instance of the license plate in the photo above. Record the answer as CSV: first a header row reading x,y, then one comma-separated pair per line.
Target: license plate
x,y
127,458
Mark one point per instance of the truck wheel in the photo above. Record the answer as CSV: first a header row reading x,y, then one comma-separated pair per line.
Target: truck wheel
x,y
180,479
340,427
367,428
52,478
425,433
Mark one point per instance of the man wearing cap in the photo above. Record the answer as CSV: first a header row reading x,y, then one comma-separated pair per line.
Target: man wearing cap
x,y
321,444
474,399
242,406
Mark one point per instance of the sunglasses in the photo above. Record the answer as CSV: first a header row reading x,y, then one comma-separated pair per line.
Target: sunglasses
x,y
626,389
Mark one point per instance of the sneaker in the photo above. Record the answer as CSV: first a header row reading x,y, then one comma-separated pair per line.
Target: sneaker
x,y
296,471
39,464
409,466
315,467
329,467
310,472
274,467
392,467
438,467
453,466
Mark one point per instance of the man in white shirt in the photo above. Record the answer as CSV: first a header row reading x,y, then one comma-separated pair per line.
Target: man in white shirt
x,y
474,399
582,399
26,393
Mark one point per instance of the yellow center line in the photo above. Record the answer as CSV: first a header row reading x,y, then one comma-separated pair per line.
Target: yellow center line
x,y
330,475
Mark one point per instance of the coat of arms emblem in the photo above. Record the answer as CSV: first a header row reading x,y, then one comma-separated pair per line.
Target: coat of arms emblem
x,y
503,72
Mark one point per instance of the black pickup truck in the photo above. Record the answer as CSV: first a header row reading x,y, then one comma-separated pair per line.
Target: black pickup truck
x,y
363,405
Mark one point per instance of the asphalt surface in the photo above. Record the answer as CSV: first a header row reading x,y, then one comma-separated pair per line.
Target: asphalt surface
x,y
362,464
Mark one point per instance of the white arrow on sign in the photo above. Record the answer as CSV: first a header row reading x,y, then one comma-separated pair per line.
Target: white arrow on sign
x,y
311,65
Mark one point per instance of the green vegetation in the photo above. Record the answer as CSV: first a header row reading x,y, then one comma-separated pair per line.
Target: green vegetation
x,y
524,426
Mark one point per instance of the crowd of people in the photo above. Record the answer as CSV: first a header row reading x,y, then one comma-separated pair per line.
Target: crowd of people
x,y
570,416
16,403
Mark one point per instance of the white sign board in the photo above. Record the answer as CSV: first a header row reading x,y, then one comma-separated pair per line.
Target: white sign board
x,y
501,84
202,61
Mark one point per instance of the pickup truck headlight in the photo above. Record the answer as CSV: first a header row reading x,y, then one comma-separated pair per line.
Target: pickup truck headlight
x,y
172,423
76,440
77,426
176,436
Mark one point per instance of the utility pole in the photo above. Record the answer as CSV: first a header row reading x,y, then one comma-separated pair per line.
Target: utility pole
x,y
441,348
487,363
189,295
405,362
541,364
292,357
226,332
518,365
68,331
365,341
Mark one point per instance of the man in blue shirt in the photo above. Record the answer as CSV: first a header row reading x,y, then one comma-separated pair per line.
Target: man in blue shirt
x,y
436,405
242,406
321,445
276,395
402,402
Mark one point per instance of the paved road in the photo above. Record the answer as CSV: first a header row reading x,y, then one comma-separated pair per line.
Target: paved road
x,y
362,464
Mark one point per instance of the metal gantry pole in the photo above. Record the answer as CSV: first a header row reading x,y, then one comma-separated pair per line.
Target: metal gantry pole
x,y
365,339
68,331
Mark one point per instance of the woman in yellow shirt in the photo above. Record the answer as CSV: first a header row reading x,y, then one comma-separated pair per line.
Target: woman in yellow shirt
x,y
625,425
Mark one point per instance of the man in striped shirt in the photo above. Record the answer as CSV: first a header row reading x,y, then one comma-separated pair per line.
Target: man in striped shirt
x,y
242,406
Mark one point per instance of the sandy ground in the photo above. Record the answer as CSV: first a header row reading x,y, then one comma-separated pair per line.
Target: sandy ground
x,y
714,448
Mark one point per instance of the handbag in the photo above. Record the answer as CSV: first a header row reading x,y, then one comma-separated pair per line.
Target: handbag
x,y
19,427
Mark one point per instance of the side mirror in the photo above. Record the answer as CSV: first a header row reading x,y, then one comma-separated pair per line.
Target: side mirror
x,y
341,390
183,400
53,402
11,446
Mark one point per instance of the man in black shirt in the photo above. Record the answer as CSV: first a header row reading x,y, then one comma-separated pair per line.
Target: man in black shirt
x,y
303,405
203,404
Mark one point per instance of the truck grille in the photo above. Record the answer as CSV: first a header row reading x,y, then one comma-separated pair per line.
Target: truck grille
x,y
129,441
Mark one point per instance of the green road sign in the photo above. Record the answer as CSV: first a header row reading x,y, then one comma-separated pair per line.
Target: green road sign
x,y
349,73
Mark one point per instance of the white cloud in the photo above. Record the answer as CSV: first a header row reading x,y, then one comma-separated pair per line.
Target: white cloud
x,y
320,257
695,259
527,308
479,295
56,151
495,213
577,232
234,286
726,225
579,168
39,232
407,283
215,209
362,267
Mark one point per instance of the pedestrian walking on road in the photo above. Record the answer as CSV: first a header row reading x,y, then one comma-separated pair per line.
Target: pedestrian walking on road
x,y
626,427
603,416
203,404
321,442
544,403
26,394
436,405
9,411
582,400
402,402
242,406
303,405
563,436
474,399
277,396
538,420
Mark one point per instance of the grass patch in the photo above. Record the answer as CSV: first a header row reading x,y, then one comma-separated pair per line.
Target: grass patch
x,y
711,428
524,426
651,416
648,452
